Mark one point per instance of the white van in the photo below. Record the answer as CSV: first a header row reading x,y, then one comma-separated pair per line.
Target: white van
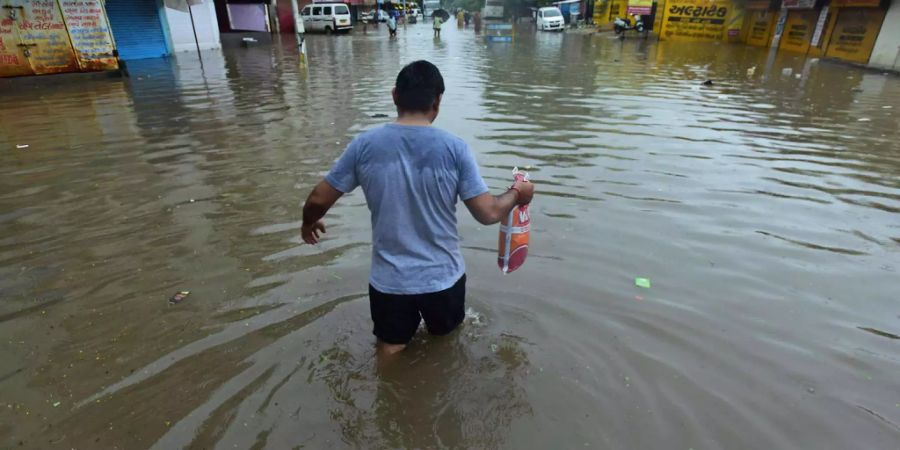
x,y
550,19
327,17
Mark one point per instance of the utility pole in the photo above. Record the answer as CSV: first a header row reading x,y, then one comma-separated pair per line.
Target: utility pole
x,y
190,7
299,31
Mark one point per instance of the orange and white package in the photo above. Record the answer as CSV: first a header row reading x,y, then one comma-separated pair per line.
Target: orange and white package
x,y
514,234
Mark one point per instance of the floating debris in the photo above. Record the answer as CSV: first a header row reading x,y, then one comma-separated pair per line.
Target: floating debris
x,y
379,116
708,83
179,297
21,146
57,404
879,332
864,119
642,282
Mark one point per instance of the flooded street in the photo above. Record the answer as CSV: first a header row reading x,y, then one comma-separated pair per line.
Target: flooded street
x,y
763,208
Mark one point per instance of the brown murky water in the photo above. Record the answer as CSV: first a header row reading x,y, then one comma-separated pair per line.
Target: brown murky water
x,y
763,208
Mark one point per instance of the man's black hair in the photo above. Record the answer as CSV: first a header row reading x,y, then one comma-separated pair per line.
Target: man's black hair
x,y
418,86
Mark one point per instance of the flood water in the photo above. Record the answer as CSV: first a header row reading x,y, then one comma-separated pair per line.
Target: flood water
x,y
763,208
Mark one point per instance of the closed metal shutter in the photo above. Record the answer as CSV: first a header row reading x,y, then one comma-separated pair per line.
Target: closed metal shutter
x,y
137,28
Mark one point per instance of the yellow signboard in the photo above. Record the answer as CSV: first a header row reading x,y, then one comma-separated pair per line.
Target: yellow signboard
x,y
617,9
697,20
854,34
89,32
760,25
53,36
43,36
798,30
601,15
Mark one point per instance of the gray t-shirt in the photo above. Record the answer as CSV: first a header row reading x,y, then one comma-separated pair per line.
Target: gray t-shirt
x,y
411,177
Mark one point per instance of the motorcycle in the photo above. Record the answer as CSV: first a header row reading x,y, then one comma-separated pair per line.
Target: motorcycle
x,y
620,26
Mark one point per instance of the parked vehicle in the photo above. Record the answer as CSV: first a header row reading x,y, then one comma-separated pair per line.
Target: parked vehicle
x,y
369,15
620,26
493,9
550,19
327,17
430,6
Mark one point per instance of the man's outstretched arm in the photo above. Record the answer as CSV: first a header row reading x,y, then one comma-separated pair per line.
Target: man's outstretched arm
x,y
320,200
489,209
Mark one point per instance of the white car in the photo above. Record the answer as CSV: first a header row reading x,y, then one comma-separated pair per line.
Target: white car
x,y
550,19
327,17
370,15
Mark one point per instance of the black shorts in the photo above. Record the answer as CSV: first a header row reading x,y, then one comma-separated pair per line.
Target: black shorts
x,y
397,317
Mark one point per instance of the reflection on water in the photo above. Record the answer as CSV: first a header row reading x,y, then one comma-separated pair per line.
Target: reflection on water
x,y
764,208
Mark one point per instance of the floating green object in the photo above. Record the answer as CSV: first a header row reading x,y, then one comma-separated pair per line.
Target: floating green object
x,y
642,282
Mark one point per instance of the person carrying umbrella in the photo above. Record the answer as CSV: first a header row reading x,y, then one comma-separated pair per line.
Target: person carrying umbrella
x,y
438,21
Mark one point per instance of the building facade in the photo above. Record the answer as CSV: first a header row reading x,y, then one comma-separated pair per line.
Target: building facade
x,y
40,37
858,31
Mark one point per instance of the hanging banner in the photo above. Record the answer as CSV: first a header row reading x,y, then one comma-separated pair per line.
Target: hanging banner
x,y
779,27
854,34
696,20
641,7
820,26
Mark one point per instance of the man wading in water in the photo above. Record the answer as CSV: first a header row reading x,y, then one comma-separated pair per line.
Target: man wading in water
x,y
412,174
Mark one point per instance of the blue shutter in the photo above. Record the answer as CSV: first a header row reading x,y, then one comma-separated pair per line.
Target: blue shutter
x,y
137,28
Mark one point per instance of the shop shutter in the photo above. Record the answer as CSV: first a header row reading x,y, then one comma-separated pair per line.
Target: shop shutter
x,y
137,28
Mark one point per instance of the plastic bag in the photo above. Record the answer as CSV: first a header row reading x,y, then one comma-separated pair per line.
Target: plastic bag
x,y
514,233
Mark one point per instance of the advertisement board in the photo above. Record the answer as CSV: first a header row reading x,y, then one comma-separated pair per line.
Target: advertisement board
x,y
641,7
798,31
696,20
761,24
854,34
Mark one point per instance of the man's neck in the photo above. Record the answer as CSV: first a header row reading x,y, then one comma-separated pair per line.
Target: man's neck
x,y
416,119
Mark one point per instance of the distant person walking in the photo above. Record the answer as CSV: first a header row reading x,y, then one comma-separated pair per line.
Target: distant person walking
x,y
477,20
437,25
460,18
467,18
392,26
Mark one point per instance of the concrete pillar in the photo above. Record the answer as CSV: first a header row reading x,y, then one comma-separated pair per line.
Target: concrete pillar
x,y
886,54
